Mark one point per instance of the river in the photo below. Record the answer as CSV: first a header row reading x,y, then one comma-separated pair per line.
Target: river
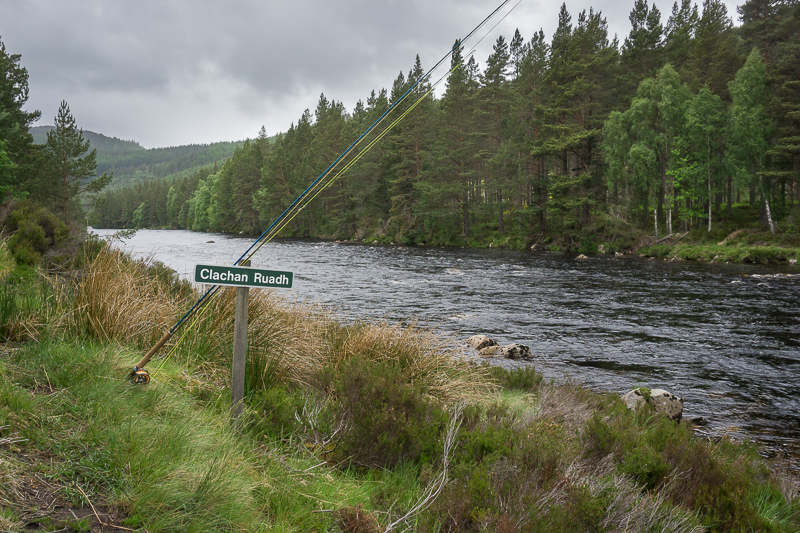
x,y
726,338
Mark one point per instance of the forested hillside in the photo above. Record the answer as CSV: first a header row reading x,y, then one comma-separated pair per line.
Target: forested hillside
x,y
554,141
132,164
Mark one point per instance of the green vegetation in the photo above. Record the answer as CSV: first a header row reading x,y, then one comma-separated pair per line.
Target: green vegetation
x,y
352,428
566,145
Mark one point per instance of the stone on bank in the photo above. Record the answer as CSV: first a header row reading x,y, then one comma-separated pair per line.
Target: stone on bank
x,y
662,401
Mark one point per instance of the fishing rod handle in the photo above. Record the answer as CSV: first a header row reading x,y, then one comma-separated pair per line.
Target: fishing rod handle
x,y
149,355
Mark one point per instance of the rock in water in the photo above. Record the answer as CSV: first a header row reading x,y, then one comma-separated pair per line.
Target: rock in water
x,y
491,351
509,351
479,342
581,257
516,351
662,401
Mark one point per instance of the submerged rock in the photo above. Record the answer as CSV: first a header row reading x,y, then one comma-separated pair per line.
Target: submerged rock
x,y
663,402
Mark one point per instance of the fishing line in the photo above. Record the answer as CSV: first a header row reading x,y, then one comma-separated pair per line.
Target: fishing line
x,y
364,151
325,179
368,130
290,214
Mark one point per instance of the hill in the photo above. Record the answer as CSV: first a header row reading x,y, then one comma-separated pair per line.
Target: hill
x,y
133,164
103,143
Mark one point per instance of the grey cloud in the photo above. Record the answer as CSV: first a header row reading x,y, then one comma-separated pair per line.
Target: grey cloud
x,y
173,72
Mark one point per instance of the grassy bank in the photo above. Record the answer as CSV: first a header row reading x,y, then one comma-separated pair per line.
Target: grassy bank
x,y
353,428
736,237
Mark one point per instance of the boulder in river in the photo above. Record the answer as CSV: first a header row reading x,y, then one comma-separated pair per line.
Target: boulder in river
x,y
662,401
479,342
509,351
581,257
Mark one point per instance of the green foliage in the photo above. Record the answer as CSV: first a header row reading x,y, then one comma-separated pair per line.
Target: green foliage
x,y
390,420
17,154
149,450
34,230
21,295
525,379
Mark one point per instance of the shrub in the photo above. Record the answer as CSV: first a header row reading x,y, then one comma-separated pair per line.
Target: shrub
x,y
389,420
525,379
272,411
34,230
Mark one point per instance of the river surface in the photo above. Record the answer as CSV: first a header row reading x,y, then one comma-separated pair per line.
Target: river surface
x,y
724,337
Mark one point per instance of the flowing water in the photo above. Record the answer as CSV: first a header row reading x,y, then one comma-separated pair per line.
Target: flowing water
x,y
724,337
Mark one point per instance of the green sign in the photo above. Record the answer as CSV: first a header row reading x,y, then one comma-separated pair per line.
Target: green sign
x,y
242,276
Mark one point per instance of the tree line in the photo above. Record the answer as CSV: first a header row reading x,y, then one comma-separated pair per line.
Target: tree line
x,y
58,175
549,140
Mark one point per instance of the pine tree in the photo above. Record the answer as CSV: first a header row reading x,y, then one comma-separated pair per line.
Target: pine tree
x,y
446,196
529,95
642,51
715,59
70,168
680,32
577,88
18,156
773,26
494,97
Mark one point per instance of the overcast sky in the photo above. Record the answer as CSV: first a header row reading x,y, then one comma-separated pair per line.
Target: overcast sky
x,y
167,73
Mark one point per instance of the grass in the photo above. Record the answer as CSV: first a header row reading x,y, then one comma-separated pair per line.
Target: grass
x,y
346,428
735,238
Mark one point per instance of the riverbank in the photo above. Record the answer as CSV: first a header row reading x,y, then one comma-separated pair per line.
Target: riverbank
x,y
736,237
347,427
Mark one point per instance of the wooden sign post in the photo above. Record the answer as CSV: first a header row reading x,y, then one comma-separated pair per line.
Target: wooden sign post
x,y
242,277
239,352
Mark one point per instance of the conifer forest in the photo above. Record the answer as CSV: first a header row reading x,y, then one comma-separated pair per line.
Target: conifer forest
x,y
663,131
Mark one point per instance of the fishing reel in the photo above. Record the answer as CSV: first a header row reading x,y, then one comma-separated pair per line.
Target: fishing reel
x,y
139,376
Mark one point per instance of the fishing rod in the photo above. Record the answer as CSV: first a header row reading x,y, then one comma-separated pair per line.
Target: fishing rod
x,y
139,374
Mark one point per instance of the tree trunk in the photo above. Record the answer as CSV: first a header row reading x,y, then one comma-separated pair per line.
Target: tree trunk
x,y
655,219
766,205
730,195
709,198
500,226
465,212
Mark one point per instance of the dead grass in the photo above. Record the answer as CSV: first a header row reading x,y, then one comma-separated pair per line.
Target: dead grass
x,y
116,300
566,404
6,261
631,508
121,300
